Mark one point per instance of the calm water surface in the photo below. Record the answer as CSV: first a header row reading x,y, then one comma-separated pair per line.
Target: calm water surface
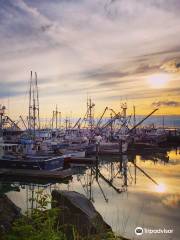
x,y
125,193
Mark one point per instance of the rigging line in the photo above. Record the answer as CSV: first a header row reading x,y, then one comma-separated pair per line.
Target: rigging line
x,y
105,198
129,172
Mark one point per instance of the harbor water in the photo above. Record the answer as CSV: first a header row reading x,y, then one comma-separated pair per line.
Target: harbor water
x,y
138,190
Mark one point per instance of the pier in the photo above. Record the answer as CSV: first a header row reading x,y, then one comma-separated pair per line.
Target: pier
x,y
62,175
80,160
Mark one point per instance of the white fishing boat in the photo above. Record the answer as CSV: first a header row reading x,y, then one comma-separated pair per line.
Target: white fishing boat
x,y
107,147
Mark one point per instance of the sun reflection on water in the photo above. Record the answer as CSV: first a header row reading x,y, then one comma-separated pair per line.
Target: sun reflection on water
x,y
160,188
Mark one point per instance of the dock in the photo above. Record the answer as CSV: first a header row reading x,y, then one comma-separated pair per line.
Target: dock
x,y
109,152
62,175
80,160
30,175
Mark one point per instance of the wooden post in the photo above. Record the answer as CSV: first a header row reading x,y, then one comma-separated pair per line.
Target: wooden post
x,y
120,146
97,159
120,154
135,171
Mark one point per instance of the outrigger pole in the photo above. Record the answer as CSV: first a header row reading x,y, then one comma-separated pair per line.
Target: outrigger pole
x,y
106,108
139,123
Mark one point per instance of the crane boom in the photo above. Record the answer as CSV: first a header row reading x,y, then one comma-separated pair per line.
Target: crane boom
x,y
139,123
112,110
106,108
77,122
111,120
23,122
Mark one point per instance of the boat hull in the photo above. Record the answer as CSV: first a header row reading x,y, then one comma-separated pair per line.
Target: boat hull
x,y
51,164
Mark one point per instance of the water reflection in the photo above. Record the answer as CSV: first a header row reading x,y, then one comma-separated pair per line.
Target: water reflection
x,y
129,191
160,188
119,173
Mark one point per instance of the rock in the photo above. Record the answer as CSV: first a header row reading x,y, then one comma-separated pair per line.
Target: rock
x,y
8,213
77,210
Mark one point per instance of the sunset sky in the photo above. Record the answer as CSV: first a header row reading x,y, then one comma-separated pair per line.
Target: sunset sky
x,y
111,50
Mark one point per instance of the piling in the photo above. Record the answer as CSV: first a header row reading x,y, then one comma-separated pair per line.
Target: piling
x,y
120,154
97,159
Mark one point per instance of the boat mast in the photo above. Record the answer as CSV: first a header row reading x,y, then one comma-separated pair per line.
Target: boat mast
x,y
33,118
2,110
37,98
124,110
30,107
90,115
34,115
57,118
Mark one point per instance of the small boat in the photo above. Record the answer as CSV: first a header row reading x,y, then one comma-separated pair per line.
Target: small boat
x,y
11,157
34,163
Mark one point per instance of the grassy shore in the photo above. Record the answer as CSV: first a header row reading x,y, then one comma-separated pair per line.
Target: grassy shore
x,y
42,224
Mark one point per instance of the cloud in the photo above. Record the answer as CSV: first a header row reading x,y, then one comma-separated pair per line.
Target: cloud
x,y
112,71
172,201
172,66
166,103
139,93
102,74
166,52
105,47
14,88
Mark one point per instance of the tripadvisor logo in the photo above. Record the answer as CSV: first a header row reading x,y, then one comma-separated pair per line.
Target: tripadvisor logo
x,y
139,231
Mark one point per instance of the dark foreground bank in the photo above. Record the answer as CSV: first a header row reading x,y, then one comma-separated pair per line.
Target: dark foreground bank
x,y
66,215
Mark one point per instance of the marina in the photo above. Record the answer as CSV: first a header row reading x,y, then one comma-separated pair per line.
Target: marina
x,y
118,189
89,120
102,158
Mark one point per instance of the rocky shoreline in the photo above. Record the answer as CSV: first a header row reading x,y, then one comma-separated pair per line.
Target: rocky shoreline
x,y
9,212
75,211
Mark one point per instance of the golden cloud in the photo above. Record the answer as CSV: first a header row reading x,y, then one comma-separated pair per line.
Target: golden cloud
x,y
172,201
172,66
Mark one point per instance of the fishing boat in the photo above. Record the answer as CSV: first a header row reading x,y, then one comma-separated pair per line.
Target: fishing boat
x,y
120,146
151,135
29,153
12,156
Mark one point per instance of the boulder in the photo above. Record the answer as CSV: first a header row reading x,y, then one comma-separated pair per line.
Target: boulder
x,y
77,210
8,213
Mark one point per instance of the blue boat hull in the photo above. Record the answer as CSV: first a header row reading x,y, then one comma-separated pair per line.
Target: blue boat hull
x,y
54,163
